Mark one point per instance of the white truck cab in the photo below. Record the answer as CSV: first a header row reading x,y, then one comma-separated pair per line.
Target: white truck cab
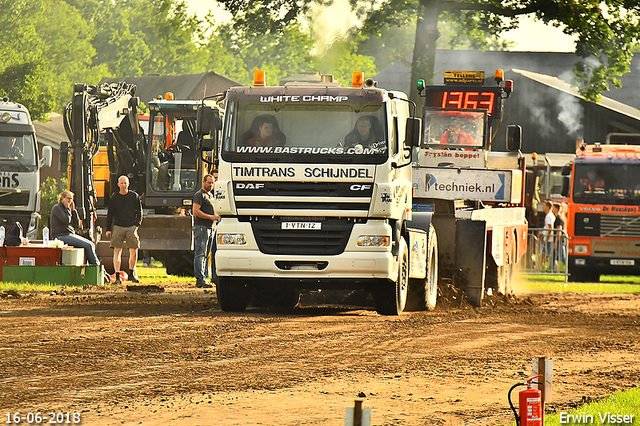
x,y
20,168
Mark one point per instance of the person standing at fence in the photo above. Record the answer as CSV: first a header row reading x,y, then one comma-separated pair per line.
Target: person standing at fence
x,y
547,236
560,242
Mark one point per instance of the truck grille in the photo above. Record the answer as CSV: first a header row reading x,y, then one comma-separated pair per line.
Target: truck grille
x,y
14,199
256,196
331,239
619,226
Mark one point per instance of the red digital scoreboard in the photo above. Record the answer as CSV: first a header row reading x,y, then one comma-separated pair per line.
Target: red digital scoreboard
x,y
465,97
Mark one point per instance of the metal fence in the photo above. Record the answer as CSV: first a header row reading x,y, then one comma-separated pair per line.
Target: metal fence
x,y
547,251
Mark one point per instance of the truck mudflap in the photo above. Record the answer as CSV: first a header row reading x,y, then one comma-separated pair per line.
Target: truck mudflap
x,y
417,253
470,249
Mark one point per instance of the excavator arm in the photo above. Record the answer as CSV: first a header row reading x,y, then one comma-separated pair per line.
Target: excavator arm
x,y
109,111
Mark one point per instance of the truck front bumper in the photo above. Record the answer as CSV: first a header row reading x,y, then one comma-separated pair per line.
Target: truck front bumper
x,y
353,265
602,265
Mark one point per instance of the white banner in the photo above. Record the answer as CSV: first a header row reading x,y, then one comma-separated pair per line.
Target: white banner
x,y
464,184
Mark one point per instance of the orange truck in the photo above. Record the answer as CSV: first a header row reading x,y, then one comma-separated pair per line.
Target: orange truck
x,y
603,189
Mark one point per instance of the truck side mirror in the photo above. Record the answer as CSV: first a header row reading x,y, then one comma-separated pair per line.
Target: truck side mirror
x,y
413,132
206,143
566,181
208,119
64,156
514,137
47,155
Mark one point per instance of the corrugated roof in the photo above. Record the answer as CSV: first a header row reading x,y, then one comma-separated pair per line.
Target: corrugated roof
x,y
565,87
52,132
187,86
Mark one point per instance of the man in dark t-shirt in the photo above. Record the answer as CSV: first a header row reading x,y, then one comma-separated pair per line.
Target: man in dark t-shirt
x,y
204,223
124,216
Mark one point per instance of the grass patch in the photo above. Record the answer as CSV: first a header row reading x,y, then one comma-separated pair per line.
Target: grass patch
x,y
579,287
607,284
28,287
621,403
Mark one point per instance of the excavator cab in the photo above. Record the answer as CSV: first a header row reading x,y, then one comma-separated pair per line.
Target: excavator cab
x,y
174,166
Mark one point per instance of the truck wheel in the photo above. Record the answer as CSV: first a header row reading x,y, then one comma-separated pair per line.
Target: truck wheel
x,y
431,282
390,297
583,276
232,294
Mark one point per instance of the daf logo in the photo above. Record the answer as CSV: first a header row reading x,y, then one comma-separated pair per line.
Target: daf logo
x,y
249,185
358,187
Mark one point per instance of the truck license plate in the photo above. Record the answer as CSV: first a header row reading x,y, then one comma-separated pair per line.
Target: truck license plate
x,y
302,225
622,262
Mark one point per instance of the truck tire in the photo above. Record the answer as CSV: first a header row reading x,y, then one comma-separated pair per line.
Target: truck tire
x,y
179,263
232,294
391,297
582,276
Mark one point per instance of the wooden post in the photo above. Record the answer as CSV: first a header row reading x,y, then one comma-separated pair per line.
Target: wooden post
x,y
357,413
544,367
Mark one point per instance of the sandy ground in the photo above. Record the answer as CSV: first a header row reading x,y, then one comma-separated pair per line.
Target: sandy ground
x,y
174,358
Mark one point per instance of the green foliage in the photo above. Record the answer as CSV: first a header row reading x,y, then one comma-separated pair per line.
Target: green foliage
x,y
606,30
237,53
23,83
620,403
341,60
50,191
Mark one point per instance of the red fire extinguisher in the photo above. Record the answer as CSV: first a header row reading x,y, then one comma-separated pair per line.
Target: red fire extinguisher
x,y
530,404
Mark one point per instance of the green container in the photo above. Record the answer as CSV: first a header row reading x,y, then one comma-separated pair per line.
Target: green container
x,y
61,275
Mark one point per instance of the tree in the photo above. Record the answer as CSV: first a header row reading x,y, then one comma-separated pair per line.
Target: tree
x,y
237,52
606,29
44,47
136,37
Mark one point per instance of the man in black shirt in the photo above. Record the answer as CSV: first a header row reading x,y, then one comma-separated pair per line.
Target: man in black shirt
x,y
204,222
64,217
124,216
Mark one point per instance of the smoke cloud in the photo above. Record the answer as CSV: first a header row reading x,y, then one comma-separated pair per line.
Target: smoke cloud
x,y
571,113
331,23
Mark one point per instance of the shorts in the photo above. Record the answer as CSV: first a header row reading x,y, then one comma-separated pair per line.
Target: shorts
x,y
129,234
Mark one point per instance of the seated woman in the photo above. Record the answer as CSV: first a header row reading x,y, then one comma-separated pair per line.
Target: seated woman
x,y
62,220
264,131
366,132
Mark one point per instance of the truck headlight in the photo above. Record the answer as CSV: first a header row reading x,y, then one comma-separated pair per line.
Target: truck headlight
x,y
236,239
581,248
5,117
373,241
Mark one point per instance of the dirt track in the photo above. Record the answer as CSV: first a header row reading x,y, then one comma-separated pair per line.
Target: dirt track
x,y
174,358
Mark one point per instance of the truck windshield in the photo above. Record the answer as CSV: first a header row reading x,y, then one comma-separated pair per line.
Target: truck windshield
x,y
613,183
306,133
19,148
454,129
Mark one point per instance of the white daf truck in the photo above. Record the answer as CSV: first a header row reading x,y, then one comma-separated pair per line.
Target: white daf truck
x,y
315,191
20,168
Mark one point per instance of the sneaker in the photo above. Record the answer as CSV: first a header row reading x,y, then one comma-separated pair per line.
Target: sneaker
x,y
134,279
203,284
118,280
